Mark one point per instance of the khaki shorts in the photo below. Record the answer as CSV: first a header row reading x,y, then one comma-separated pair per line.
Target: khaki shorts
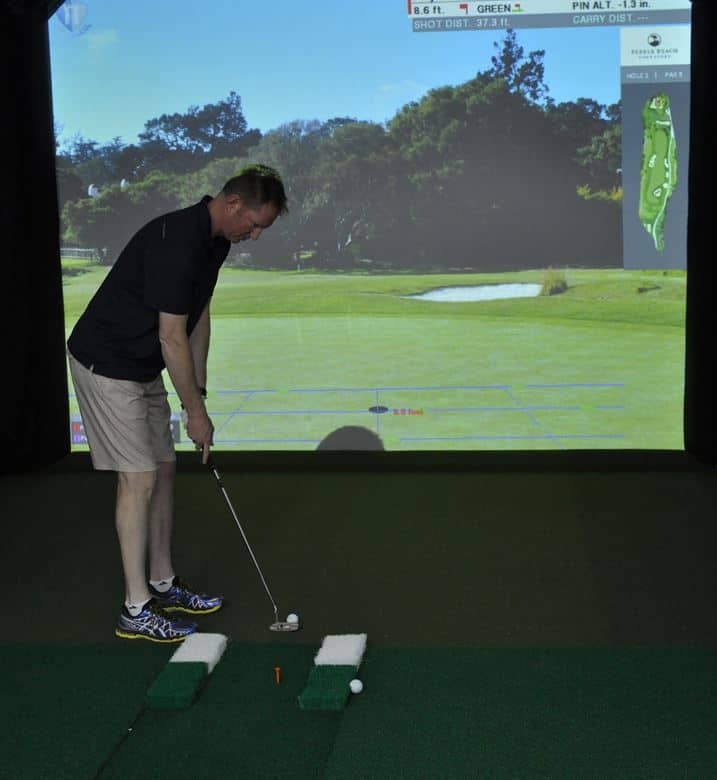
x,y
127,423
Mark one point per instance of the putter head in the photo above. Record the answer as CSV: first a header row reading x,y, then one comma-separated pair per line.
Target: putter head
x,y
282,625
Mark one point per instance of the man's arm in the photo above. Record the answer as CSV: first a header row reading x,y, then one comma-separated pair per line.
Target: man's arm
x,y
177,355
199,344
178,359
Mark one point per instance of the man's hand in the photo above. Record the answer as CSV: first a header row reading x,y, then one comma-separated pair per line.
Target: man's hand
x,y
201,431
178,358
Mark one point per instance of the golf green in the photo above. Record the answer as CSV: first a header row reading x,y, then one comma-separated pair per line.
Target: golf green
x,y
295,356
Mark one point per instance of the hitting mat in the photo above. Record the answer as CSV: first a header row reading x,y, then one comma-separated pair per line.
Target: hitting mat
x,y
242,724
72,712
424,713
335,666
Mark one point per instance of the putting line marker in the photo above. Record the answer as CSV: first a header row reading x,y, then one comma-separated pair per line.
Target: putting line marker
x,y
335,665
201,647
179,683
341,650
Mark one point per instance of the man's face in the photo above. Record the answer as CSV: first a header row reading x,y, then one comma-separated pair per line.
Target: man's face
x,y
247,222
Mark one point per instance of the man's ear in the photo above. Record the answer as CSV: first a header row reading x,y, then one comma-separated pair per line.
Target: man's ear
x,y
234,201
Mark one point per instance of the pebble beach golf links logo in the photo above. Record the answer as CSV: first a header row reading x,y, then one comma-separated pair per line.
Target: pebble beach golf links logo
x,y
654,50
71,15
646,46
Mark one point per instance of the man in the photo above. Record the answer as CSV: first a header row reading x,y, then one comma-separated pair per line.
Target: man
x,y
152,312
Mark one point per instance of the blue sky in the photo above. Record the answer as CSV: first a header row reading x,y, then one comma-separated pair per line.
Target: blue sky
x,y
286,60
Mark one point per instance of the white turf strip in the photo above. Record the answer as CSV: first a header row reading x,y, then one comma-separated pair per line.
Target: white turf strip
x,y
201,647
341,650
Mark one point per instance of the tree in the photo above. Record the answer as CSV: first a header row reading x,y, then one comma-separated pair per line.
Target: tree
x,y
491,181
81,149
353,179
109,221
602,160
294,149
217,129
578,121
524,76
69,184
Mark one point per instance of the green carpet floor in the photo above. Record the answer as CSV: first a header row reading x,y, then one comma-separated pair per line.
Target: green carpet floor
x,y
65,708
466,713
424,713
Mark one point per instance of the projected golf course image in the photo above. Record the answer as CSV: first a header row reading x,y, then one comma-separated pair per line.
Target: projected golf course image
x,y
297,354
451,273
658,174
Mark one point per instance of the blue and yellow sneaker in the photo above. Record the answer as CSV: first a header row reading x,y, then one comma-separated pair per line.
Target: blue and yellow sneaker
x,y
181,598
153,624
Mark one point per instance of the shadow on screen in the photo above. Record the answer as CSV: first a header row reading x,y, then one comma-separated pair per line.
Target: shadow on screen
x,y
351,437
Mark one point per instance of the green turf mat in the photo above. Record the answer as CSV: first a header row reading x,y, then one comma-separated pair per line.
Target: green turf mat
x,y
327,688
177,685
65,708
243,724
597,713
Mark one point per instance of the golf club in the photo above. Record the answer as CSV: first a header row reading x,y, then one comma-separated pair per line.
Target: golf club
x,y
277,625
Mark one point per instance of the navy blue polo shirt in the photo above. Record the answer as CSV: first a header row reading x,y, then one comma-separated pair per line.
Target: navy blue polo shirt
x,y
169,265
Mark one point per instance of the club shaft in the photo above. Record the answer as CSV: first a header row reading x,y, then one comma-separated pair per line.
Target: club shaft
x,y
246,541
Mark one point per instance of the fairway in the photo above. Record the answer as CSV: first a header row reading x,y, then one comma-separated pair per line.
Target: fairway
x,y
297,355
658,176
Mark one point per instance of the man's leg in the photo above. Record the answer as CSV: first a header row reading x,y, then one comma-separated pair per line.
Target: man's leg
x,y
134,497
160,524
171,593
140,618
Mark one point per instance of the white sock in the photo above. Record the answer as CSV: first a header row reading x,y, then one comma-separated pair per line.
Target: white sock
x,y
135,609
162,585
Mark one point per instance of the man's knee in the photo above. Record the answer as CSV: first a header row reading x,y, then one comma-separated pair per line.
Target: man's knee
x,y
137,483
166,469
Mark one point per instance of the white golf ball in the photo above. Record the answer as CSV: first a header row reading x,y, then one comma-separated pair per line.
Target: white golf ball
x,y
356,686
292,618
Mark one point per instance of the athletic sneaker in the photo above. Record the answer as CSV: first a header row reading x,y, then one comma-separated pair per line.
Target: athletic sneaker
x,y
154,624
181,598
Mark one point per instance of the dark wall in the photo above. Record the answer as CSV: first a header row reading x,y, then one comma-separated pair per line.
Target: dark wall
x,y
35,413
701,363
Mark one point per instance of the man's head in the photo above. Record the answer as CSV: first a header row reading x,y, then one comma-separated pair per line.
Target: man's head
x,y
248,204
